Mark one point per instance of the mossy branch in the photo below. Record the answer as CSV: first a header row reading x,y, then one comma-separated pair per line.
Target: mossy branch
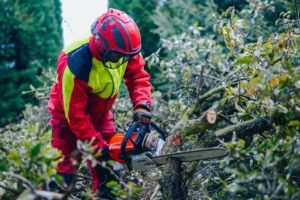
x,y
248,128
194,126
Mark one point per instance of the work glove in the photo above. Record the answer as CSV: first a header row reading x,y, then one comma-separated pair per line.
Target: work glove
x,y
142,115
102,154
105,154
101,149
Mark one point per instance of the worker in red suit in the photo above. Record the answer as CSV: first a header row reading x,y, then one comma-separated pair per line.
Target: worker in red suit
x,y
89,74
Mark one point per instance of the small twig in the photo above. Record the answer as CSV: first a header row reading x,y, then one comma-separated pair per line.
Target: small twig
x,y
296,195
275,61
155,191
227,77
36,90
192,171
218,89
210,93
221,116
239,87
21,178
9,189
83,176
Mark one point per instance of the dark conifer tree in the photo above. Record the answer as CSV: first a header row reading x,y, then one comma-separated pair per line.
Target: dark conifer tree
x,y
30,38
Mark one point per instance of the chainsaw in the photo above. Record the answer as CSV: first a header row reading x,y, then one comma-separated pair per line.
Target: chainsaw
x,y
140,149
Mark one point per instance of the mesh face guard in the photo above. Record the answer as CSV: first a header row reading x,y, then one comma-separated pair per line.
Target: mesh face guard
x,y
114,60
114,56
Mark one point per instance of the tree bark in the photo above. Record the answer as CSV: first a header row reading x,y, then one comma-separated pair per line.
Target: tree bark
x,y
247,128
173,185
189,127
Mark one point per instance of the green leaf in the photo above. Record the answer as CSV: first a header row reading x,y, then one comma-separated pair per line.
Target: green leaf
x,y
241,143
3,165
137,191
14,156
186,75
112,184
245,60
35,150
294,123
283,80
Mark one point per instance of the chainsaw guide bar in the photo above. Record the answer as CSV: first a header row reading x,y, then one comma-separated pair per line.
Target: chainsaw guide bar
x,y
193,155
146,160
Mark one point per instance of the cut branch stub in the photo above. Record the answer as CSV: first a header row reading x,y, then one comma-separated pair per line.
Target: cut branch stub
x,y
211,116
173,142
199,125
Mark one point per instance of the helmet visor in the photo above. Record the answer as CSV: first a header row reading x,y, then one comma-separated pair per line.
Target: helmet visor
x,y
114,56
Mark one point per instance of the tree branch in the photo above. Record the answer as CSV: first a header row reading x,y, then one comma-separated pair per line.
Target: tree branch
x,y
248,128
194,126
14,191
22,179
210,93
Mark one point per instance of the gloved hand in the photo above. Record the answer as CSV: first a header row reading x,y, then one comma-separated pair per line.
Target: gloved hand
x,y
101,149
141,114
105,154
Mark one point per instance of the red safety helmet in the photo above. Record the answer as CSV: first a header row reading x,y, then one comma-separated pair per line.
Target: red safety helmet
x,y
116,35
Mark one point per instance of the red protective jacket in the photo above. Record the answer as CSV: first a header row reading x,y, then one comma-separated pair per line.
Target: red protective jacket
x,y
85,90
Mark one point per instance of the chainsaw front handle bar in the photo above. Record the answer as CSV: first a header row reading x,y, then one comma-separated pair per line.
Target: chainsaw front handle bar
x,y
162,133
130,131
128,134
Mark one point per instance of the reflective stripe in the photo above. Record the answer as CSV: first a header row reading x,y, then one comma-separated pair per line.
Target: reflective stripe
x,y
67,89
104,81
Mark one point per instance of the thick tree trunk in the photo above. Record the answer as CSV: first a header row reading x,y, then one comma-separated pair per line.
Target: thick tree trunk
x,y
173,185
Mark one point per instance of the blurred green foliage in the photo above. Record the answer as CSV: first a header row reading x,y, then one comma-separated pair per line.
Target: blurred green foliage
x,y
30,38
25,151
141,11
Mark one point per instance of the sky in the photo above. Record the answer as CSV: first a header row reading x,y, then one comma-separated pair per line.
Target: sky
x,y
78,15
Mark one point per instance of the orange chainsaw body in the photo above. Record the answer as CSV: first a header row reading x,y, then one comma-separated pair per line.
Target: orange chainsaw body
x,y
115,146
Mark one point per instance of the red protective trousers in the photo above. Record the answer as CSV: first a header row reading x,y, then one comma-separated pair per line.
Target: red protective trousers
x,y
64,140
